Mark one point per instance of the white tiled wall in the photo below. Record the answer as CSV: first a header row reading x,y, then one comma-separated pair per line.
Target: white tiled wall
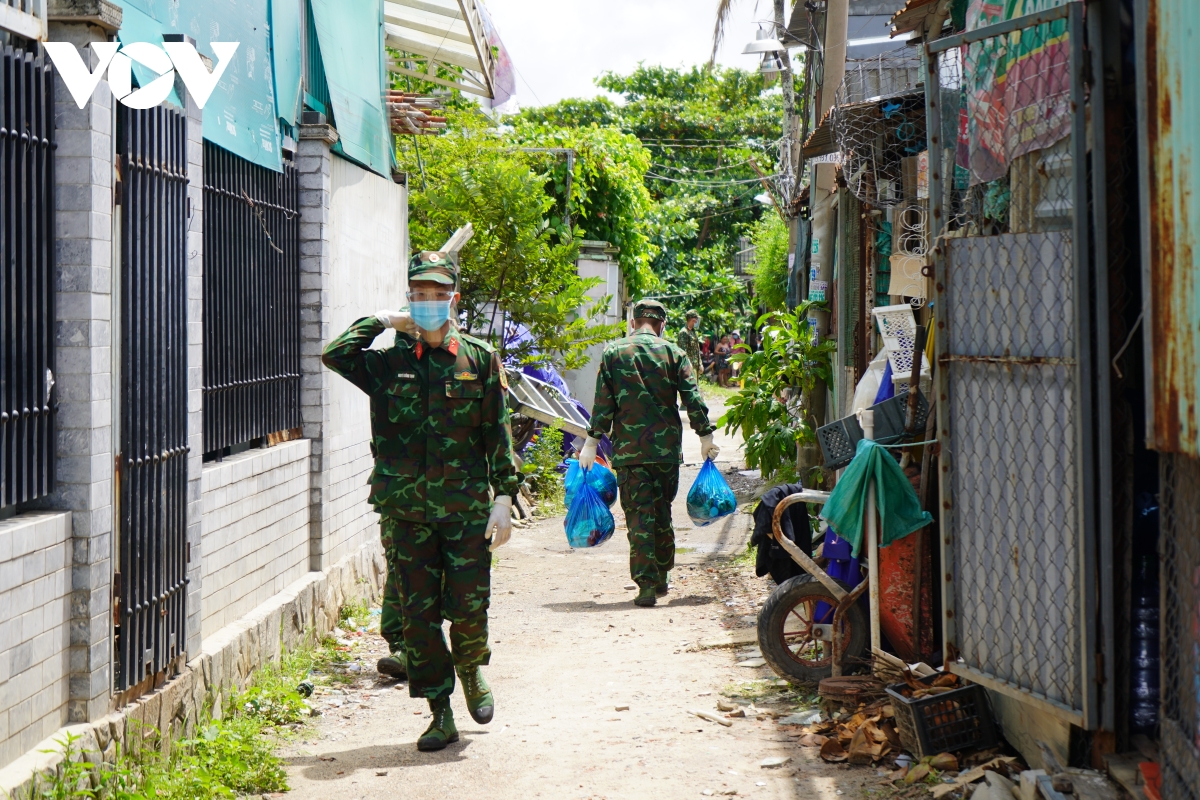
x,y
35,588
254,530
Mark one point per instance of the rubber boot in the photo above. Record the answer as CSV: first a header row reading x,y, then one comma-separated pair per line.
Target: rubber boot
x,y
664,585
441,730
394,666
478,694
647,596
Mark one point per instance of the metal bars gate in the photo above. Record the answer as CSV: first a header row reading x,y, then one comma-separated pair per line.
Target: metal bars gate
x,y
1020,456
26,276
152,463
251,299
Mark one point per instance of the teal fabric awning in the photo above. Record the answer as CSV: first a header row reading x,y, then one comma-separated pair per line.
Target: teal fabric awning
x,y
351,38
241,114
286,57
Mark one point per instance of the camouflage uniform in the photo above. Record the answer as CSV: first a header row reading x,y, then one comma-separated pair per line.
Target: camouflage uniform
x,y
689,343
639,379
443,449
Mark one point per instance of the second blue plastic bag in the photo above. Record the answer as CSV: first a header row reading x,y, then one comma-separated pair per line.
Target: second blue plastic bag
x,y
600,477
589,522
710,497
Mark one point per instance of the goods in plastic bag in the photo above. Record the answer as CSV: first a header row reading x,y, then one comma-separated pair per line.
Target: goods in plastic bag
x,y
599,476
589,522
710,497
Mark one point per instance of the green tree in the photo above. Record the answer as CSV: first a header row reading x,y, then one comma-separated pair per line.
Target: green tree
x,y
516,261
770,237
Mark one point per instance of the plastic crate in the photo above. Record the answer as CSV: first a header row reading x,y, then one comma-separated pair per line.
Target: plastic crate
x,y
839,440
889,417
960,719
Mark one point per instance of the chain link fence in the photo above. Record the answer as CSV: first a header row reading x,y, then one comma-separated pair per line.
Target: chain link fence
x,y
1180,551
1006,175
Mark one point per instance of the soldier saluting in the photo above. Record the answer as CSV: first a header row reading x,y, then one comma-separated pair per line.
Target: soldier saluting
x,y
443,482
639,379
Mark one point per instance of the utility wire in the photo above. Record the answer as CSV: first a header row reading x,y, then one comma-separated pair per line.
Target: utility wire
x,y
706,183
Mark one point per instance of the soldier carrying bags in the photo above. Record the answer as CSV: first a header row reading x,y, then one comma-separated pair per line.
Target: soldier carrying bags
x,y
639,381
443,482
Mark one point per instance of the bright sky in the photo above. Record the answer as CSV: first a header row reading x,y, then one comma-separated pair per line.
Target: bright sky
x,y
559,46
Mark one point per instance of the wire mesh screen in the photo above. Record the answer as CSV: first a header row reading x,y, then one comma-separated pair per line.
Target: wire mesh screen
x,y
1012,424
1014,367
879,124
1180,731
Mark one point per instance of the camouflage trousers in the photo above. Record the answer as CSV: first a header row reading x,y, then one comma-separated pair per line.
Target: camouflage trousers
x,y
647,491
443,572
391,621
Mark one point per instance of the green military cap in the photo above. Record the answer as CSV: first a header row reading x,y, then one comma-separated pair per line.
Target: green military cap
x,y
649,309
433,266
692,314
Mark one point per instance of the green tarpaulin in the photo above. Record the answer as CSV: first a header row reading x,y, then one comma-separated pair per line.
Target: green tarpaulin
x,y
351,37
286,57
240,116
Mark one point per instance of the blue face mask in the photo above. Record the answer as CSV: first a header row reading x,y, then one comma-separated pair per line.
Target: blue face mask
x,y
430,315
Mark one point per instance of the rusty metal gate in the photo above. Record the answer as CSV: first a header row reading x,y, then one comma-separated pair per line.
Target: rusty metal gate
x,y
26,276
152,461
1017,345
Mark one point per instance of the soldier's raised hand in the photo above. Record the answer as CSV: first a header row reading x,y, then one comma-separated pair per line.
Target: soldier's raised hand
x,y
400,320
499,524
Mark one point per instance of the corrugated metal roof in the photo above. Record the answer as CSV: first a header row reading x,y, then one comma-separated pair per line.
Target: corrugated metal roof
x,y
820,142
1173,223
911,17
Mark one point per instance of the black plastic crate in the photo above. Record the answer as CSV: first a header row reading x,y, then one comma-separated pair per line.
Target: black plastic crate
x,y
889,417
960,719
839,440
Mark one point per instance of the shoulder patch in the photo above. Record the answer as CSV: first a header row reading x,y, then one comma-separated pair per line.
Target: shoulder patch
x,y
504,379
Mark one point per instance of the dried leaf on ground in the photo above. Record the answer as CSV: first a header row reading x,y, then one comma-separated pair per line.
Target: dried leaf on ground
x,y
942,762
833,751
918,773
813,740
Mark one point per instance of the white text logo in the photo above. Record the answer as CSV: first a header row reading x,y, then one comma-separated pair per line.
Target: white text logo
x,y
181,56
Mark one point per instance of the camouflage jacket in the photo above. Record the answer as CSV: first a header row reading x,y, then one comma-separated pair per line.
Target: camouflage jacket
x,y
636,390
689,343
439,422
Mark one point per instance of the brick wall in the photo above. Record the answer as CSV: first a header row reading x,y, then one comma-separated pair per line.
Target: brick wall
x,y
255,530
35,591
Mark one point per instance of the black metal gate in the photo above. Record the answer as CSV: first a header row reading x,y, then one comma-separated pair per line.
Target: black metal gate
x,y
251,299
26,276
152,463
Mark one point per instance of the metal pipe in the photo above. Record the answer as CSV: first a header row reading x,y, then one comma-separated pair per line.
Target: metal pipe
x,y
798,555
867,420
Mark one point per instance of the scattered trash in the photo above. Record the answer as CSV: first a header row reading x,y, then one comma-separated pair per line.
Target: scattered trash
x,y
381,773
809,717
739,712
752,662
711,718
631,586
305,688
774,761
724,705
621,708
710,497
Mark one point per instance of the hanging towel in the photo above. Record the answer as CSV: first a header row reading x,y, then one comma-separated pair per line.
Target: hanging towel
x,y
899,510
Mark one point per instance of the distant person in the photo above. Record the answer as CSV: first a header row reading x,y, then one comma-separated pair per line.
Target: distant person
x,y
443,450
640,380
721,365
689,341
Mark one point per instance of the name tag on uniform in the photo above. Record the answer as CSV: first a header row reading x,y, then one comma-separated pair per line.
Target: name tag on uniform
x,y
408,376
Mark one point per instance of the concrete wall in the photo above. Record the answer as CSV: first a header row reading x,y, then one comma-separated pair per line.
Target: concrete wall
x,y
582,382
35,593
254,531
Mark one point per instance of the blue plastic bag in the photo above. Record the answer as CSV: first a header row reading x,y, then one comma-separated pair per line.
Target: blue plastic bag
x,y
710,497
589,522
600,477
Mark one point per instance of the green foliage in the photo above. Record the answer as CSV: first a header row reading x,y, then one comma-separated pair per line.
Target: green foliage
x,y
517,259
357,613
770,237
541,461
772,409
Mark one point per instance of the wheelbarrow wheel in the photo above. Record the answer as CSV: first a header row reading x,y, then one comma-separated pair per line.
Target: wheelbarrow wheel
x,y
785,630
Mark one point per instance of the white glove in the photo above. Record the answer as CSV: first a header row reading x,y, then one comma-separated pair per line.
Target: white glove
x,y
499,524
400,320
708,450
587,456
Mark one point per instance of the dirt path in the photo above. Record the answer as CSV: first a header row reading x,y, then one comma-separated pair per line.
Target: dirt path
x,y
592,692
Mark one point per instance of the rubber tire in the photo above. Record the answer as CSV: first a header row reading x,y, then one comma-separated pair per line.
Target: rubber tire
x,y
770,619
